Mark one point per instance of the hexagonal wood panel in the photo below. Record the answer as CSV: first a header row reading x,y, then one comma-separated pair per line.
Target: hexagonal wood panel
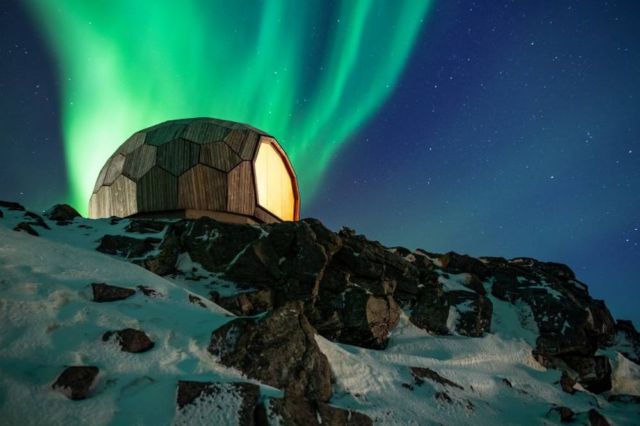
x,y
193,167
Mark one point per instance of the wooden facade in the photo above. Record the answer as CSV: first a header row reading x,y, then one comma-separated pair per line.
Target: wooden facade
x,y
198,167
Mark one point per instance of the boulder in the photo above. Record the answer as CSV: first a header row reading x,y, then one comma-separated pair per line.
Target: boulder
x,y
10,205
127,247
216,394
597,419
26,227
145,226
110,293
566,414
299,411
76,382
420,373
279,349
130,340
627,340
246,303
63,214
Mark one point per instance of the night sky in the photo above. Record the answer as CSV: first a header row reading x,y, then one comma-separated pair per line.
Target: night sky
x,y
508,128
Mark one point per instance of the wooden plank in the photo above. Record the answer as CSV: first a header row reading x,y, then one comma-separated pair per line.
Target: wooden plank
x,y
157,190
264,216
139,162
242,193
235,138
101,175
249,146
219,156
206,131
165,133
178,156
123,201
115,169
203,188
99,203
134,142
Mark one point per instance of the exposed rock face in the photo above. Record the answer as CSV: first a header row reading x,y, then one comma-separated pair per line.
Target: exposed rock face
x,y
352,290
420,373
566,414
110,293
126,246
130,340
597,419
299,411
63,214
627,340
190,392
258,349
10,205
572,325
76,382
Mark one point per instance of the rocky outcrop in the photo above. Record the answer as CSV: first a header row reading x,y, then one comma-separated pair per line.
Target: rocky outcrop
x,y
63,214
300,411
421,373
76,382
110,293
353,290
279,350
126,247
130,340
627,340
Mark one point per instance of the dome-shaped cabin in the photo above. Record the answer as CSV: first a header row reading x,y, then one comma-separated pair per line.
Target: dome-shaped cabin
x,y
198,167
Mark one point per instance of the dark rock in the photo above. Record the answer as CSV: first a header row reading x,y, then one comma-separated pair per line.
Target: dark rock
x,y
627,340
594,373
627,399
567,383
247,303
75,382
300,411
597,419
145,226
109,293
196,300
427,373
566,414
360,319
130,340
26,227
1,214
459,263
474,312
507,382
35,220
127,247
444,397
430,311
148,291
279,350
63,214
9,205
189,392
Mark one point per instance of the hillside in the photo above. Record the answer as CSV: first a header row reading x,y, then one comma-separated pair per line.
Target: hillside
x,y
132,321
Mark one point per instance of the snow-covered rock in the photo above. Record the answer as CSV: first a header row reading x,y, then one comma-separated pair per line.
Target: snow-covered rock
x,y
346,331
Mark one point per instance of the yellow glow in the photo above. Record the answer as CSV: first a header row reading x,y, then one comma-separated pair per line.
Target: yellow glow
x,y
275,188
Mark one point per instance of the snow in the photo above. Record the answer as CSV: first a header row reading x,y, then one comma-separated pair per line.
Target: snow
x,y
48,321
455,282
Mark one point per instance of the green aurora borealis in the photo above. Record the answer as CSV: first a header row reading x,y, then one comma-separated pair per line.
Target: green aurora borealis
x,y
308,74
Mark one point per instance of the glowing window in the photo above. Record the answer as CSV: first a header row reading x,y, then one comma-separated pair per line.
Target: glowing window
x,y
275,188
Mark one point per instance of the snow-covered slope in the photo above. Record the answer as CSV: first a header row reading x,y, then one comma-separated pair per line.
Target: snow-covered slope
x,y
49,321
